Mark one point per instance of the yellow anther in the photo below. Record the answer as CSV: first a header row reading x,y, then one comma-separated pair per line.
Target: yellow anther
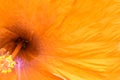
x,y
6,64
9,70
4,71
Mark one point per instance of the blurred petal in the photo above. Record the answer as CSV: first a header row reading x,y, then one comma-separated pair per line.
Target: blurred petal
x,y
72,40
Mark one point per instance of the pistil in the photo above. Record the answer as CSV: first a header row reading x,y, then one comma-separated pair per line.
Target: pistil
x,y
7,62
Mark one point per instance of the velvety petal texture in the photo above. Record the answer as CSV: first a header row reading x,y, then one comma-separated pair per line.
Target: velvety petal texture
x,y
62,39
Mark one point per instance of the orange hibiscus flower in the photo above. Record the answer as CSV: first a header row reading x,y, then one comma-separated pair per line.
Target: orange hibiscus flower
x,y
59,39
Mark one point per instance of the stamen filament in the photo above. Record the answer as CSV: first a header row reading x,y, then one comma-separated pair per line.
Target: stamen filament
x,y
16,50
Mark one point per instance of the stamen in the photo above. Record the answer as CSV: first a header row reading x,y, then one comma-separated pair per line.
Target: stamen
x,y
7,62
